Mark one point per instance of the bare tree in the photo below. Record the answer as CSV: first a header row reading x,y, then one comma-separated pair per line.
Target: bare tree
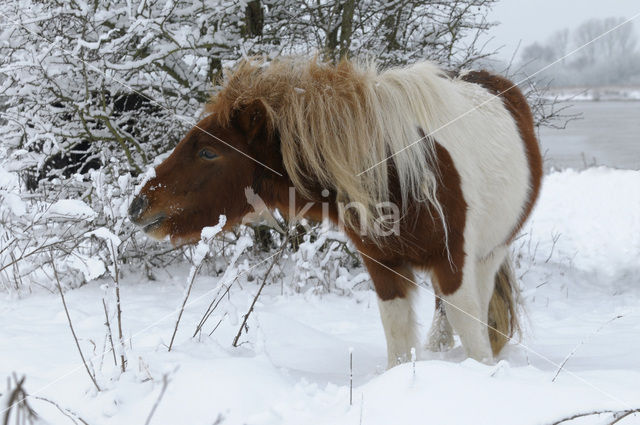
x,y
583,36
607,54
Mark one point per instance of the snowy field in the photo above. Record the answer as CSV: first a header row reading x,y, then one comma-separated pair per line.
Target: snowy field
x,y
578,259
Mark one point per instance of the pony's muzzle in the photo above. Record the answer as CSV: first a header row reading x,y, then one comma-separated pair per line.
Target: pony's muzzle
x,y
137,207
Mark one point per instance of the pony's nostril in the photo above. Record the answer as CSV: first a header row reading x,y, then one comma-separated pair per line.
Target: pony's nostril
x,y
137,207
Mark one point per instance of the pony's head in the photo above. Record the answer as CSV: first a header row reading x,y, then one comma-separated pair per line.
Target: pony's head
x,y
205,176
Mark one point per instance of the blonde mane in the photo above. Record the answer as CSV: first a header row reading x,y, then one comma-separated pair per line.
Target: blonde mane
x,y
336,121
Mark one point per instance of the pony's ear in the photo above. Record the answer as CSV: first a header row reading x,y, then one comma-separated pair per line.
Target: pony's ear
x,y
252,119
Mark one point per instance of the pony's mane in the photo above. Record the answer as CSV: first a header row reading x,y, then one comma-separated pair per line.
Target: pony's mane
x,y
336,121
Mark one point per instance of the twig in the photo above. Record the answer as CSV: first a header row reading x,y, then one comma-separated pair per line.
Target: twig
x,y
116,280
361,407
165,383
108,325
276,258
194,272
67,412
18,399
623,414
211,308
73,332
218,324
413,362
350,376
566,359
555,238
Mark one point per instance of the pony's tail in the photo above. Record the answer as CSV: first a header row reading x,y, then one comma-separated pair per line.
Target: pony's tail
x,y
504,307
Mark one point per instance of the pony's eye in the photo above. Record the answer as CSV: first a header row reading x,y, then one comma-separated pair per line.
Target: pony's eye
x,y
207,154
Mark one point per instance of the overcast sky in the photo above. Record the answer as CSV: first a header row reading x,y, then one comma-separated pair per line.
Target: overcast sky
x,y
536,20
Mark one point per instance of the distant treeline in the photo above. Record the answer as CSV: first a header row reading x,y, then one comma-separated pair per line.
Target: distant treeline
x,y
613,59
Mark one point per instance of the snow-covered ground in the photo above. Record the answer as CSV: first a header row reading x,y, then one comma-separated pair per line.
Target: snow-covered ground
x,y
579,262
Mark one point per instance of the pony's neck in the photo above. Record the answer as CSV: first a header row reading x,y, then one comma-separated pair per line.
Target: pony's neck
x,y
281,194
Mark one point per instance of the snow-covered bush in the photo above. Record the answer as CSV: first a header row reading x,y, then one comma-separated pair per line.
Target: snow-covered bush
x,y
92,93
78,224
111,79
325,261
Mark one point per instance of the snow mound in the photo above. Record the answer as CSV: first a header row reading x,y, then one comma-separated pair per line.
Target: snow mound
x,y
8,180
71,208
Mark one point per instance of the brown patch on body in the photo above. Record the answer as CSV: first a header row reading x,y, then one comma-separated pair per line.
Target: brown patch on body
x,y
422,242
517,105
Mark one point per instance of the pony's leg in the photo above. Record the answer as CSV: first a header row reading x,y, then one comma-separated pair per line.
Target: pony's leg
x,y
393,284
468,313
440,336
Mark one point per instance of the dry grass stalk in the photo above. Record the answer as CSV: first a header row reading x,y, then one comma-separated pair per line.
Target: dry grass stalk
x,y
566,359
165,383
276,258
73,332
194,273
74,417
107,323
116,279
617,415
17,403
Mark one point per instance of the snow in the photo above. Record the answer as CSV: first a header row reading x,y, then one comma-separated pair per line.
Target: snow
x,y
71,208
149,174
106,235
202,248
210,232
581,290
91,268
8,180
612,218
13,202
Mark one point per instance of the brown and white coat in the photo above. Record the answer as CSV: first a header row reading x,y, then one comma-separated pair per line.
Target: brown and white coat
x,y
457,153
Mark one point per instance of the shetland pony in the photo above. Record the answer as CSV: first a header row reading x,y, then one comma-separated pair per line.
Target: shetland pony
x,y
456,155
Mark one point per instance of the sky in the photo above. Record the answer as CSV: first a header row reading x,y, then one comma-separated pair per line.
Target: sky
x,y
536,20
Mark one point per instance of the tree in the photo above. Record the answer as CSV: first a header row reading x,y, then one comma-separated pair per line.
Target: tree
x,y
607,54
393,32
539,54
